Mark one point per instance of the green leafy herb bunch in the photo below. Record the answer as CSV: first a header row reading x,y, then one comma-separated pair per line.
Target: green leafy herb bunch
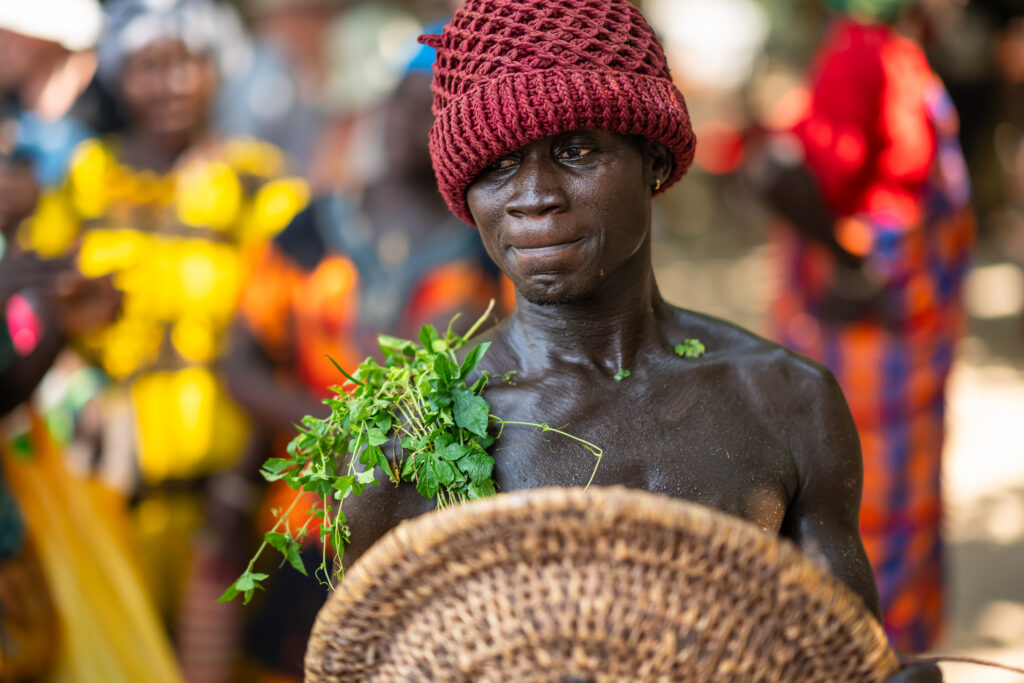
x,y
416,418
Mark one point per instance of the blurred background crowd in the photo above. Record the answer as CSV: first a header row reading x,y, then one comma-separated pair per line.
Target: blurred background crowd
x,y
201,200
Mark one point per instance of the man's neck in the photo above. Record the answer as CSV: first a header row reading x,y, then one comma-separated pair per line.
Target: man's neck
x,y
607,331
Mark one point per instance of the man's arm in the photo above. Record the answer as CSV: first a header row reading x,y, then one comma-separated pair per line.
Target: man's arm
x,y
823,517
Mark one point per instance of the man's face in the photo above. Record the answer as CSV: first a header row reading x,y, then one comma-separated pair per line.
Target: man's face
x,y
564,212
168,90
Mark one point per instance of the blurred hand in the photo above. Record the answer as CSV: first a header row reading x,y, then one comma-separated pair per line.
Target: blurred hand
x,y
19,193
26,271
85,304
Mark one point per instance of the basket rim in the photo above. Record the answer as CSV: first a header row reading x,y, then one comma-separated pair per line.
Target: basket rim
x,y
415,538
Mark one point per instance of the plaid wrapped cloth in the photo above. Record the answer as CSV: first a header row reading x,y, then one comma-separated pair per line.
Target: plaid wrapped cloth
x,y
880,136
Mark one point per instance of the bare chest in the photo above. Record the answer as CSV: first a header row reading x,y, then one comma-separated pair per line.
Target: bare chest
x,y
698,445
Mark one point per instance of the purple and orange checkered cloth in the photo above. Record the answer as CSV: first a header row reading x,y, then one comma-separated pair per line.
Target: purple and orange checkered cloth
x,y
880,136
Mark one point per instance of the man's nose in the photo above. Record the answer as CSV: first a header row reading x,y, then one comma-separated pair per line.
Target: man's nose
x,y
537,189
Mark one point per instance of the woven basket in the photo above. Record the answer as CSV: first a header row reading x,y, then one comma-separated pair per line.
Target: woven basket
x,y
600,585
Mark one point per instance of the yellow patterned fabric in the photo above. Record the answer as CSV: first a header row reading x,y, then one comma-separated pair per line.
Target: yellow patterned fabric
x,y
175,245
107,627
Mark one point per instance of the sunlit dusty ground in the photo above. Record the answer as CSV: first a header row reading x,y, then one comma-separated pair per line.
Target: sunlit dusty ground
x,y
985,506
730,274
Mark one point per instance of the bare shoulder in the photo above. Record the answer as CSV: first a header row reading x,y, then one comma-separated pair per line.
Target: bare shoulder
x,y
788,377
799,396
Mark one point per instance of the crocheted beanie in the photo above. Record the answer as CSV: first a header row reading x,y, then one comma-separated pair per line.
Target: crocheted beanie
x,y
511,71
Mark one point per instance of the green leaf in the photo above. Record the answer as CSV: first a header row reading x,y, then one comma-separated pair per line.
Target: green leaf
x,y
408,468
446,472
229,594
440,401
366,477
483,489
428,483
276,468
472,359
480,383
246,584
690,348
478,466
288,547
371,456
453,452
395,346
342,485
428,335
319,483
471,412
382,462
622,374
444,367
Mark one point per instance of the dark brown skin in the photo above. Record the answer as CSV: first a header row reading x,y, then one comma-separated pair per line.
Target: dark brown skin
x,y
749,428
168,92
19,193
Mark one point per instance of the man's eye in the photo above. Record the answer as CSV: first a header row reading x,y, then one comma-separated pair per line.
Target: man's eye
x,y
503,163
574,152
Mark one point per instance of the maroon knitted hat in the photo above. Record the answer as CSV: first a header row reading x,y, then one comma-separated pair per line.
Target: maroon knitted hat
x,y
511,71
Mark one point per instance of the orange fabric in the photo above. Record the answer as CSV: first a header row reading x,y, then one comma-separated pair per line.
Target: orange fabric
x,y
266,299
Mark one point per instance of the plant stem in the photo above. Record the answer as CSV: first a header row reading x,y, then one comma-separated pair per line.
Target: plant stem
x,y
280,519
480,321
596,450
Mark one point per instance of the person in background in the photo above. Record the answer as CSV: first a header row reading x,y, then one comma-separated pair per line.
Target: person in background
x,y
46,63
878,232
347,268
71,605
276,91
164,212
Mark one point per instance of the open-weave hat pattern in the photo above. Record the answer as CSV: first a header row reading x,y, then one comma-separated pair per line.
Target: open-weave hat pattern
x,y
512,71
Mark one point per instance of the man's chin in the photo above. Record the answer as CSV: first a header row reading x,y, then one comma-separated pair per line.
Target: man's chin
x,y
546,297
548,301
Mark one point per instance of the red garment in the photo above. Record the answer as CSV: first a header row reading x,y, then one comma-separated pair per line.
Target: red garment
x,y
868,135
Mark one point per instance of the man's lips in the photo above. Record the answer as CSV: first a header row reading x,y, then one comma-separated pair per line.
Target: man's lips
x,y
539,248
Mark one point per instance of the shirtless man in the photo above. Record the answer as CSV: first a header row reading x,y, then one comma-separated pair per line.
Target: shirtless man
x,y
551,137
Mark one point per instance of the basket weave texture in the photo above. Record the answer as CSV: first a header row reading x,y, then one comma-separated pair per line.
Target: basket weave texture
x,y
605,584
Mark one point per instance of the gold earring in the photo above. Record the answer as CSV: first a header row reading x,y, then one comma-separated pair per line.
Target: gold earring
x,y
657,184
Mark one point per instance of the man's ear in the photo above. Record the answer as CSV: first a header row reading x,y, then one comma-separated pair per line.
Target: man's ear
x,y
659,161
